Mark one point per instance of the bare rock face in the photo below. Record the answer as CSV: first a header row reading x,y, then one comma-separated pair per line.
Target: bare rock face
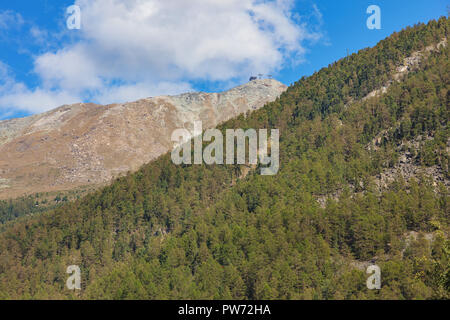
x,y
88,144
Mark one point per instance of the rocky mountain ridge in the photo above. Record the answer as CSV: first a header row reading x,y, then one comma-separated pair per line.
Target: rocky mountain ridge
x,y
85,144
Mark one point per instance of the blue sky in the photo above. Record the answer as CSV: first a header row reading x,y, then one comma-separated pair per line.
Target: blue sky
x,y
144,48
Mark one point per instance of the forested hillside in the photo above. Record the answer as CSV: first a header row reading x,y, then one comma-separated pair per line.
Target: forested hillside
x,y
13,209
223,232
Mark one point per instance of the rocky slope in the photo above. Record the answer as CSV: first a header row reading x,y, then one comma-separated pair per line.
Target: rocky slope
x,y
85,144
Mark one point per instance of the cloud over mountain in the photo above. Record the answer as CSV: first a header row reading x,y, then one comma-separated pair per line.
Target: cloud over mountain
x,y
129,49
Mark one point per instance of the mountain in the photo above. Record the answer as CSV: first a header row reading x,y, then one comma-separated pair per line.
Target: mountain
x,y
84,144
363,179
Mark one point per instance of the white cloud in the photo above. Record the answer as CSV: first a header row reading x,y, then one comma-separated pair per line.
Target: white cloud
x,y
71,69
37,100
10,20
39,35
196,39
132,92
16,95
138,48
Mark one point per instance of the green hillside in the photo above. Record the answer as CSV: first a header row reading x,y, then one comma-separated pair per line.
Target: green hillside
x,y
223,232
